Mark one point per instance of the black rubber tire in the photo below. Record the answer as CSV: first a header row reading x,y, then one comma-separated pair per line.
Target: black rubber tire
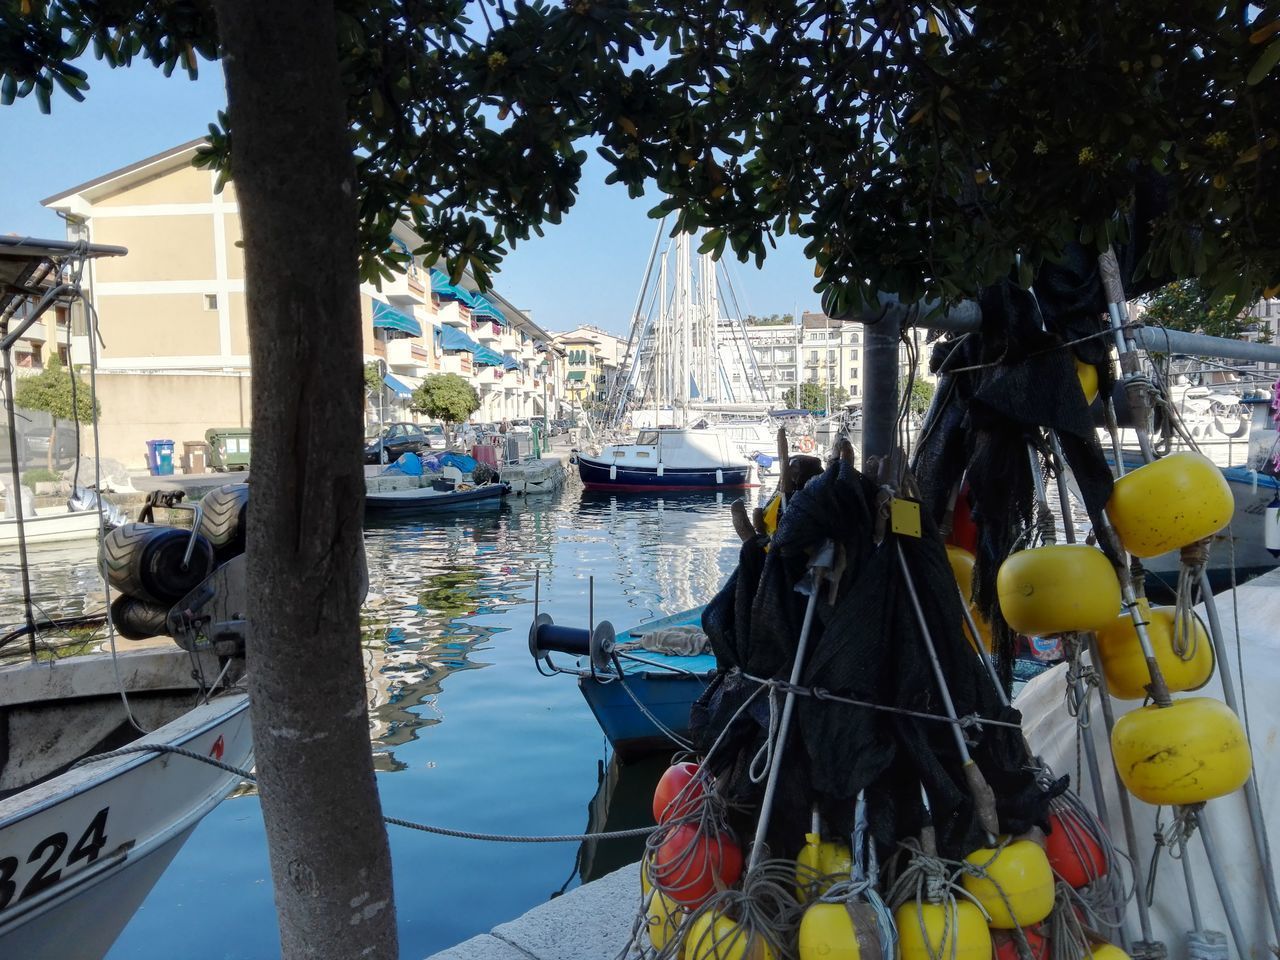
x,y
222,521
144,561
136,619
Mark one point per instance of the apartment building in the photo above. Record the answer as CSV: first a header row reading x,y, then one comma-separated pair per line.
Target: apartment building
x,y
174,357
593,360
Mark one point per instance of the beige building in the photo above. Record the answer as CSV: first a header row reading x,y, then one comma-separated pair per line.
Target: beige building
x,y
174,357
593,359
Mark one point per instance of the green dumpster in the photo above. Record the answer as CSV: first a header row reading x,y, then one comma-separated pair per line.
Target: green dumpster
x,y
228,448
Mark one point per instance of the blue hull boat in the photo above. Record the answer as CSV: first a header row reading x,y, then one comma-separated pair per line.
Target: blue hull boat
x,y
597,475
399,504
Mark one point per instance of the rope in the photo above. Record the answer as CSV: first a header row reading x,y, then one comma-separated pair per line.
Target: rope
x,y
818,693
394,821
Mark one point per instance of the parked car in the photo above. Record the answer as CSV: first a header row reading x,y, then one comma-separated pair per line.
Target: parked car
x,y
397,439
436,439
520,428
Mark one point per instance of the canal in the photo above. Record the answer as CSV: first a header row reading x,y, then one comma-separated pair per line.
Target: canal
x,y
465,732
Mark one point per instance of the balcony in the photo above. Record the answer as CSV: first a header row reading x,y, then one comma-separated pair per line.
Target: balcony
x,y
408,355
404,290
454,314
459,363
486,331
489,375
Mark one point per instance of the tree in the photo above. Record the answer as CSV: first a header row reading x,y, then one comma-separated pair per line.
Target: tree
x,y
756,321
921,396
813,396
1186,305
447,397
53,391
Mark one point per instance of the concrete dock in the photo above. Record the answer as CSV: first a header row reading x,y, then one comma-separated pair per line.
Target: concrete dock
x,y
592,922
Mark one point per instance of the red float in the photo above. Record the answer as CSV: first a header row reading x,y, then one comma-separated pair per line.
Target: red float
x,y
679,792
964,532
1006,944
1073,852
690,865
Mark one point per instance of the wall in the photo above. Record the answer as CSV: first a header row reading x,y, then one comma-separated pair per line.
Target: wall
x,y
137,407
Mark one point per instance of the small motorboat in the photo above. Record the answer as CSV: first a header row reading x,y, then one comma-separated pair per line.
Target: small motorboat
x,y
398,504
668,459
51,525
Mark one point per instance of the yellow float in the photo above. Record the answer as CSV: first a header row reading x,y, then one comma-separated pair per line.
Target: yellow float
x,y
1125,666
1106,951
1056,589
662,920
713,936
827,933
1087,374
956,931
1017,890
819,865
1170,503
1189,752
984,630
962,562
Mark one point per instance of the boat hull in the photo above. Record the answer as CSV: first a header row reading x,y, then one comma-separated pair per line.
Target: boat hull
x,y
85,852
597,475
412,503
52,528
667,696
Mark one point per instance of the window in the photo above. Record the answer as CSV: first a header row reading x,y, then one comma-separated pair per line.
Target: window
x,y
831,355
64,355
647,438
211,301
853,391
813,356
853,373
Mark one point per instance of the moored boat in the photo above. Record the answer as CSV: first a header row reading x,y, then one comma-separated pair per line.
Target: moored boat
x,y
394,504
672,459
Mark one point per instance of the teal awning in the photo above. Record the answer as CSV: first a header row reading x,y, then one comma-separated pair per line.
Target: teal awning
x,y
388,317
397,386
445,290
482,306
510,363
577,375
451,338
486,357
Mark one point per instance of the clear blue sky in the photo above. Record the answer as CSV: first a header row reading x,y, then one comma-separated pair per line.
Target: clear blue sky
x,y
587,270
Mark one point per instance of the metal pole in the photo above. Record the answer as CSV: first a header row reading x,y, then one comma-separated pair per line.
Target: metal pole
x,y
822,560
15,499
1220,881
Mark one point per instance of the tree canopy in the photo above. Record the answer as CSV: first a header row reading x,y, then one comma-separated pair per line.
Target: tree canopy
x,y
920,148
445,396
50,390
1185,305
813,396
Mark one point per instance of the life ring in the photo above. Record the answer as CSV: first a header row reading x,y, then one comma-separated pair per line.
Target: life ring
x,y
806,445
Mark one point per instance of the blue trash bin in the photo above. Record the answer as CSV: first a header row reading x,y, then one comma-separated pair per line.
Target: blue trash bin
x,y
160,457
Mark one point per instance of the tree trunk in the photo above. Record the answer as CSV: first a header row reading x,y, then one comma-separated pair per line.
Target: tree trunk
x,y
294,180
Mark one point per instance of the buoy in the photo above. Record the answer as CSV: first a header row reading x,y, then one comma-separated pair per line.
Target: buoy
x,y
1017,889
1125,666
1007,948
678,793
662,920
689,864
713,936
1271,526
1057,588
984,629
964,532
1105,951
827,932
1170,503
1188,752
820,864
962,561
1087,374
956,931
1074,854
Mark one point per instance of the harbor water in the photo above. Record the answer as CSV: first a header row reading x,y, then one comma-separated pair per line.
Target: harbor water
x,y
466,733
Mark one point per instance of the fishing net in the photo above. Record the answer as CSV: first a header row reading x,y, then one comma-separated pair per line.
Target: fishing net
x,y
866,644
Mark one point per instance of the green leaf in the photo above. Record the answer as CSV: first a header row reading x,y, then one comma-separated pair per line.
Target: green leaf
x,y
1262,66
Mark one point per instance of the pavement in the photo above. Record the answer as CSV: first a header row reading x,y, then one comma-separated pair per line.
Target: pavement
x,y
592,922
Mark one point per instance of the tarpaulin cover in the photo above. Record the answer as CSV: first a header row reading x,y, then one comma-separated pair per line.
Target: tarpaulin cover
x,y
407,465
436,462
868,646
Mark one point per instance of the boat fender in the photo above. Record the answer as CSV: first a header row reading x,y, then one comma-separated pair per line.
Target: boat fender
x,y
719,477
598,644
613,471
661,470
136,619
1271,525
